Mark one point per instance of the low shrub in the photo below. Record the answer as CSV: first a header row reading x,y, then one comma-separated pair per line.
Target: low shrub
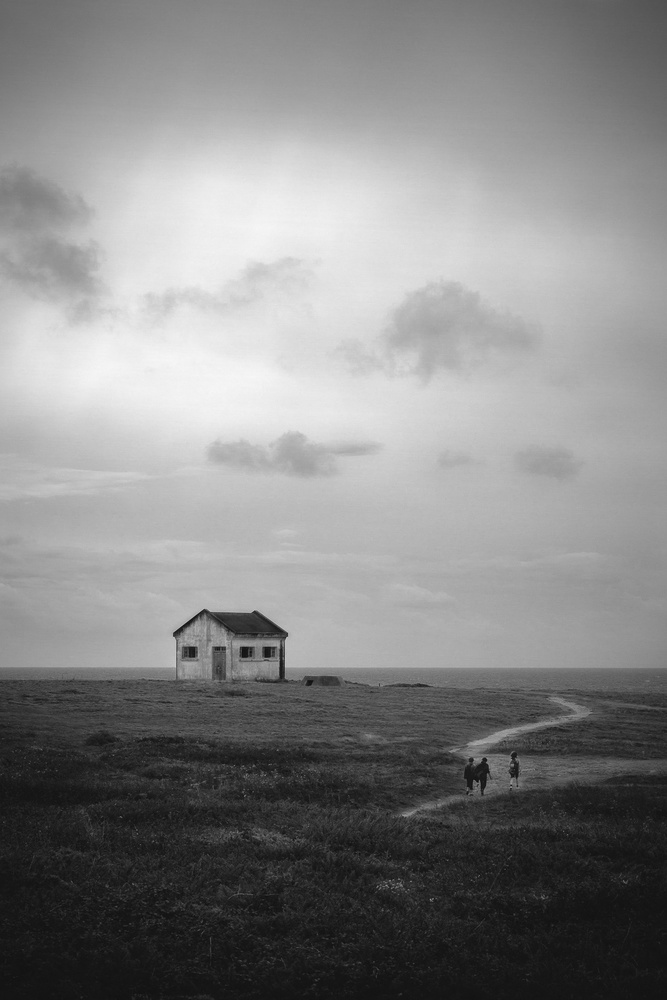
x,y
101,738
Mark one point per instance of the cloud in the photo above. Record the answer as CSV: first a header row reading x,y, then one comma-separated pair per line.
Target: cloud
x,y
286,275
326,561
452,459
64,588
28,481
49,268
286,536
292,454
32,204
555,463
256,282
408,595
163,305
35,257
545,565
359,360
240,455
351,448
442,325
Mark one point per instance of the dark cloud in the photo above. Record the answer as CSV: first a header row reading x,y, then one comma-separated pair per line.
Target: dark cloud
x,y
240,455
451,459
355,448
444,325
256,282
50,268
441,326
32,204
292,454
34,256
555,463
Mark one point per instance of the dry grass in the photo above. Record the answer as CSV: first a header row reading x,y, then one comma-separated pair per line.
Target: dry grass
x,y
66,713
617,728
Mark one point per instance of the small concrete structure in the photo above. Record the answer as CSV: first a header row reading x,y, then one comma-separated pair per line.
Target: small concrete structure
x,y
322,680
230,646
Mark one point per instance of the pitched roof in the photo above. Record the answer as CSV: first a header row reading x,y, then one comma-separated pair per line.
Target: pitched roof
x,y
242,622
247,621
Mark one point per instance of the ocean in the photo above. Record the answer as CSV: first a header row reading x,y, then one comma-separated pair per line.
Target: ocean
x,y
535,679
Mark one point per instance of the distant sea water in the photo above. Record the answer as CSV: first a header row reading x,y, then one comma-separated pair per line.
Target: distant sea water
x,y
536,679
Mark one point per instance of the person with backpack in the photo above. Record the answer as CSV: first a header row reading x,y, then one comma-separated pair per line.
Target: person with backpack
x,y
469,775
514,769
482,772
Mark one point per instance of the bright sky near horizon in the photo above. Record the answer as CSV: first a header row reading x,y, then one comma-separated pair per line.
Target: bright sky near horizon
x,y
351,311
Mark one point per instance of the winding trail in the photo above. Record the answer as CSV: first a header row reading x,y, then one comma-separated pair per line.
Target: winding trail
x,y
539,771
577,712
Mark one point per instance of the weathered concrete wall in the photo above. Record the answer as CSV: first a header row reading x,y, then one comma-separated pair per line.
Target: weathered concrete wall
x,y
258,668
255,670
205,633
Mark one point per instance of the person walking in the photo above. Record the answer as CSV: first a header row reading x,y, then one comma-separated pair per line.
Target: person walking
x,y
469,775
482,772
514,769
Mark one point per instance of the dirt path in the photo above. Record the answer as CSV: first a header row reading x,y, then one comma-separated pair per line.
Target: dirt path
x,y
479,746
540,772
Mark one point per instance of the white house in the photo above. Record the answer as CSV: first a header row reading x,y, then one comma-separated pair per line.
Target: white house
x,y
230,646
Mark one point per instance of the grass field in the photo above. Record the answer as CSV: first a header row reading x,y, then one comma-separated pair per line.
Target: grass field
x,y
618,727
171,841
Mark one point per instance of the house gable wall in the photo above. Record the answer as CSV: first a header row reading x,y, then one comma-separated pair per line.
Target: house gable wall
x,y
203,632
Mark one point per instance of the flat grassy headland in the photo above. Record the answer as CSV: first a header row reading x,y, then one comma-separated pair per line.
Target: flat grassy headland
x,y
163,841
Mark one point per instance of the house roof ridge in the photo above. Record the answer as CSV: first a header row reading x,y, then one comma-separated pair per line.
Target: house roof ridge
x,y
239,622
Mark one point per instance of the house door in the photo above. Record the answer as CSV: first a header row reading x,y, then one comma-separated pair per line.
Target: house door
x,y
219,663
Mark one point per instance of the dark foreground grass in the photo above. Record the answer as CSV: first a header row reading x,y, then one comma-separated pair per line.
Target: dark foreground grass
x,y
169,866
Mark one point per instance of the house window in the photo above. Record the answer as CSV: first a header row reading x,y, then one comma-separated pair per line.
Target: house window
x,y
247,652
189,652
269,652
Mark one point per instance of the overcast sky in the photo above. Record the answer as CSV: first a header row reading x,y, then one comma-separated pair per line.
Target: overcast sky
x,y
350,311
